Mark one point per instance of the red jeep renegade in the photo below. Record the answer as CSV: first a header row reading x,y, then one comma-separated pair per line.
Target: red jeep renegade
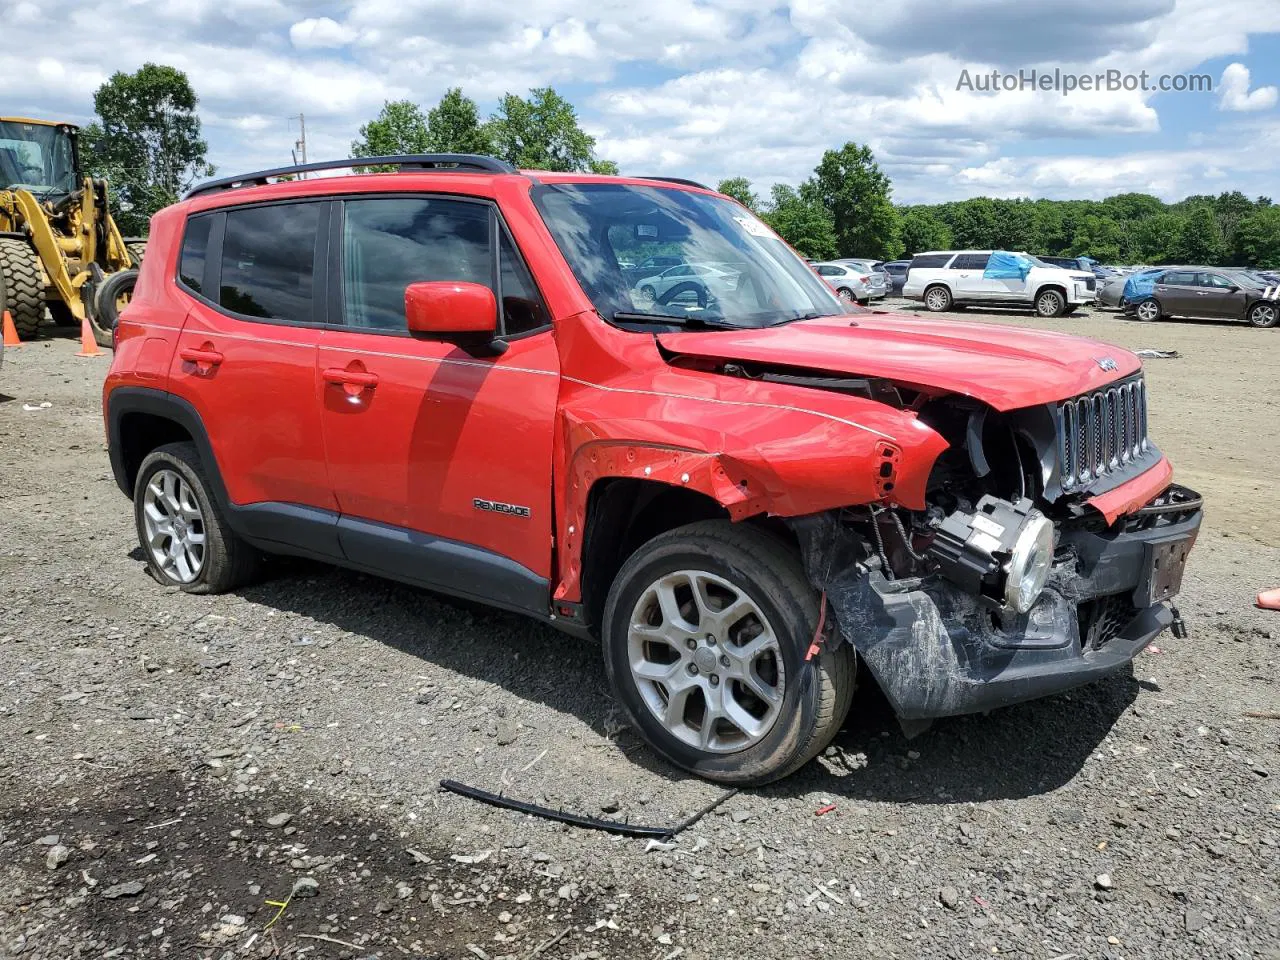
x,y
623,406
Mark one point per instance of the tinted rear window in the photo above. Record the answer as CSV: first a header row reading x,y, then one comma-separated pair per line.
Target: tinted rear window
x,y
971,261
195,245
930,260
268,256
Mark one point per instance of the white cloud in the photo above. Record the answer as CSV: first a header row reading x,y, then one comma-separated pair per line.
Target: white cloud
x,y
1234,93
317,32
700,88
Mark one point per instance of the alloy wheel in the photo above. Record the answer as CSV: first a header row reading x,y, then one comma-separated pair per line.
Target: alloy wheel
x,y
1263,315
174,526
936,300
1048,305
706,661
1148,311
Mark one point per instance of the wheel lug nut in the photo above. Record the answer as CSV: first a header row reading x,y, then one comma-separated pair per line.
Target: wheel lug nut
x,y
693,669
724,661
711,640
691,643
715,680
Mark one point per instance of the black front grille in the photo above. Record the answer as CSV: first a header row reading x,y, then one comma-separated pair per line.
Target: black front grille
x,y
1103,432
1102,619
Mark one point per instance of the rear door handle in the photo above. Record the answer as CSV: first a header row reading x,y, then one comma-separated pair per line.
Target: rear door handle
x,y
192,355
356,378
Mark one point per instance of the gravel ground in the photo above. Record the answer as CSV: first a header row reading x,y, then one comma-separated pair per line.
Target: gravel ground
x,y
173,768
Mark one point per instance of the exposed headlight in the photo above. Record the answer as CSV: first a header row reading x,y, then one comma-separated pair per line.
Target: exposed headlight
x,y
1001,551
1028,568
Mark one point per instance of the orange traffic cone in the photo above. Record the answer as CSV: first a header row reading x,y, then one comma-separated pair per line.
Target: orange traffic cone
x,y
1269,599
88,345
10,332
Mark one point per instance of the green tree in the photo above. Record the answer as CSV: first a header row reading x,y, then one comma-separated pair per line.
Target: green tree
x,y
1097,237
542,133
802,220
1257,238
1200,239
146,141
855,192
399,128
740,189
1155,239
922,231
453,126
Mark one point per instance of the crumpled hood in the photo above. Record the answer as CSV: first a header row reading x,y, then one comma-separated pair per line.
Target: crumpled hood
x,y
1005,367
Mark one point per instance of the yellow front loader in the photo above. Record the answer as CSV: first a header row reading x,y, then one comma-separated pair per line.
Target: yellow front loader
x,y
59,247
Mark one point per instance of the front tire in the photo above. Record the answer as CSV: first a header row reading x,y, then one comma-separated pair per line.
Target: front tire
x,y
183,533
705,634
845,294
938,299
1264,314
1050,303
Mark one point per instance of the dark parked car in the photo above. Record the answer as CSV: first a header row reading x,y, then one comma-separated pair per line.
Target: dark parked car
x,y
1210,294
897,275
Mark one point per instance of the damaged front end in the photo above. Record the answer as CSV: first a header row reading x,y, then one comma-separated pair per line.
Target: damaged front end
x,y
1009,585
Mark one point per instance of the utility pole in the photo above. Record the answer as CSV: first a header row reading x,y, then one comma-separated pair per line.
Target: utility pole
x,y
300,145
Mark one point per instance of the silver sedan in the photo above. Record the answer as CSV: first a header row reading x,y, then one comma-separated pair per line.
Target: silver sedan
x,y
851,284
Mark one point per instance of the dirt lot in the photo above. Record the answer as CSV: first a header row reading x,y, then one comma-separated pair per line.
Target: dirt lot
x,y
174,768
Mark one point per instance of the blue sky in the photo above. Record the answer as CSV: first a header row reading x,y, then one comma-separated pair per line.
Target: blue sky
x,y
715,88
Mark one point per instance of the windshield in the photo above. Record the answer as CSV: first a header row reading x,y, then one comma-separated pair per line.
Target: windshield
x,y
679,257
35,157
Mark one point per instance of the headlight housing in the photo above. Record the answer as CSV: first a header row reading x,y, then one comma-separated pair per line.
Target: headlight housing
x,y
1000,551
1030,564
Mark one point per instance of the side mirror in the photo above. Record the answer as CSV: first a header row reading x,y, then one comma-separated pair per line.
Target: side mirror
x,y
448,307
467,312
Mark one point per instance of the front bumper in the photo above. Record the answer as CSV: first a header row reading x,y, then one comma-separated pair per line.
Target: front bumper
x,y
937,651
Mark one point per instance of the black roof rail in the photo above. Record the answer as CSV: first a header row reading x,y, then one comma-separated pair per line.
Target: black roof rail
x,y
680,180
466,162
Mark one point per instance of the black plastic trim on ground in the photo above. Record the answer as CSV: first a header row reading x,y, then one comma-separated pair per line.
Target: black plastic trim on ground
x,y
581,820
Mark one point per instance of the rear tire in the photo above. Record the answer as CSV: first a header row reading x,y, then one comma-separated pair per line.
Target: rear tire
x,y
220,561
23,285
938,299
1147,310
1264,314
742,569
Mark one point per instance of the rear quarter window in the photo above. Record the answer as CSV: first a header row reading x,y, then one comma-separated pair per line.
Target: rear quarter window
x,y
195,248
930,260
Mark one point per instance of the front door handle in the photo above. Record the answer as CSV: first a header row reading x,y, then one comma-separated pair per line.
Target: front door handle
x,y
356,378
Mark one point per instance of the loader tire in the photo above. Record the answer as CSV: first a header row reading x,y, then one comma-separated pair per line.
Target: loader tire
x,y
137,250
23,285
106,314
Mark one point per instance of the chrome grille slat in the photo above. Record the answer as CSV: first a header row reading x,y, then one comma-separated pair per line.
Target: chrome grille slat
x,y
1101,432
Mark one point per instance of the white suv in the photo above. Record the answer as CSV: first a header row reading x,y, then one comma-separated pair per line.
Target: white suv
x,y
943,279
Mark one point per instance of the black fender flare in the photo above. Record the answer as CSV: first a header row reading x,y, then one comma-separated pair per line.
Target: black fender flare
x,y
123,401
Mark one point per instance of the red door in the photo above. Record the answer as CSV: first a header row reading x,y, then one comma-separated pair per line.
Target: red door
x,y
421,435
427,429
247,366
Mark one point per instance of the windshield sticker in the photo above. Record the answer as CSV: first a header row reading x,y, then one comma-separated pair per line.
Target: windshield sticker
x,y
755,227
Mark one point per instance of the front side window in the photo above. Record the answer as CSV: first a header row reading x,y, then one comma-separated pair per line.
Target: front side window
x,y
268,259
1215,280
392,242
753,279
